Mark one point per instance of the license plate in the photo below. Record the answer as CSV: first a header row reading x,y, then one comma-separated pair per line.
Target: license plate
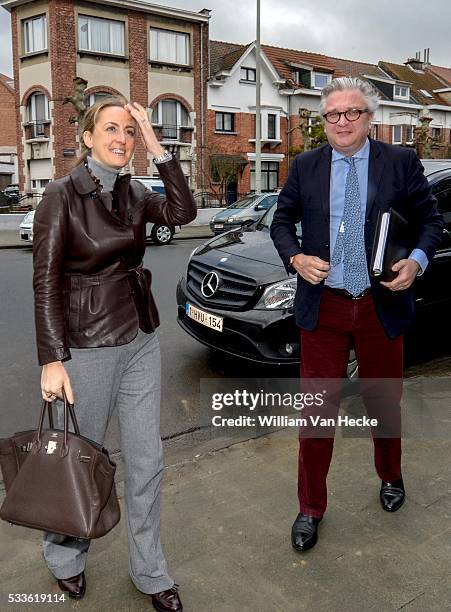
x,y
204,318
219,225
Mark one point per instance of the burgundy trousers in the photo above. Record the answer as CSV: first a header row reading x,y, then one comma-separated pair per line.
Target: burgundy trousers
x,y
344,324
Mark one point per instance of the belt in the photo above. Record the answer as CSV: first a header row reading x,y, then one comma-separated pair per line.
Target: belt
x,y
345,293
77,281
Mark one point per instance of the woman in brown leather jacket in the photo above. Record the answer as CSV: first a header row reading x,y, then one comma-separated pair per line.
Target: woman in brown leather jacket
x,y
96,320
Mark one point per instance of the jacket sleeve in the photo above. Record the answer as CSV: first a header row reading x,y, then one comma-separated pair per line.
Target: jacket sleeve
x,y
427,219
49,238
178,206
288,213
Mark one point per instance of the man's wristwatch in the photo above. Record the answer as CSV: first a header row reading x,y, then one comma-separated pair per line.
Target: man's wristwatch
x,y
166,156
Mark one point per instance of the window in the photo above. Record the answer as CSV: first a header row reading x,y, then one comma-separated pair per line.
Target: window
x,y
320,80
35,34
401,92
269,176
313,121
95,97
169,47
171,115
436,133
248,74
38,113
102,35
375,127
397,134
40,184
272,132
409,134
225,122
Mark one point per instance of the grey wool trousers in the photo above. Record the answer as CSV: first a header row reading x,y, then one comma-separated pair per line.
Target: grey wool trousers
x,y
127,379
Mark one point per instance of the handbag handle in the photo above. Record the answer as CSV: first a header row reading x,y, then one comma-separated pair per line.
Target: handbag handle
x,y
68,410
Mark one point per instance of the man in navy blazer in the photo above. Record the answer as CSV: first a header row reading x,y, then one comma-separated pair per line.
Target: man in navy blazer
x,y
337,192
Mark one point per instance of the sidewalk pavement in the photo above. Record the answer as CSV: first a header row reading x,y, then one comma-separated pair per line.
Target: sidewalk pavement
x,y
9,239
226,523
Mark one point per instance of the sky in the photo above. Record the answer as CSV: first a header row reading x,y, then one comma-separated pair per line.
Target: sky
x,y
390,30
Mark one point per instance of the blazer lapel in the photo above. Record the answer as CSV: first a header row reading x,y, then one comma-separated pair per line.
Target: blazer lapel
x,y
324,180
375,168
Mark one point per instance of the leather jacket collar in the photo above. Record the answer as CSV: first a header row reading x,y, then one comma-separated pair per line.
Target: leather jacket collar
x,y
84,183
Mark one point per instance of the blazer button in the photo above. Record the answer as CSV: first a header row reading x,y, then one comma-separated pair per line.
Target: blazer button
x,y
130,217
326,245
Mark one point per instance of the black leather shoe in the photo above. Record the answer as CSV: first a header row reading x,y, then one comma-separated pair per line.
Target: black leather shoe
x,y
304,533
392,495
75,586
167,601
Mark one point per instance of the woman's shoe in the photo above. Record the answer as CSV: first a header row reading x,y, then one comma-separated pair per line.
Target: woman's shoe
x,y
75,586
167,601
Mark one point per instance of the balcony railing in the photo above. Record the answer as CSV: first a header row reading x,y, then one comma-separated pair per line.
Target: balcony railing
x,y
37,129
179,133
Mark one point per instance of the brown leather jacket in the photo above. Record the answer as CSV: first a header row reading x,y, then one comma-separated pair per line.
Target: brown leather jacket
x,y
90,289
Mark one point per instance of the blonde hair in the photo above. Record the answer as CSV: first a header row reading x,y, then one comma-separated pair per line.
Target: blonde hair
x,y
90,120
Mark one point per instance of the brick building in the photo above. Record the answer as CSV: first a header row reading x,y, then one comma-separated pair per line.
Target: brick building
x,y
8,143
151,54
292,81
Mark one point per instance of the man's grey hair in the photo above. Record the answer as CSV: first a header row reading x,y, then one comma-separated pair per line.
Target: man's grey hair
x,y
344,83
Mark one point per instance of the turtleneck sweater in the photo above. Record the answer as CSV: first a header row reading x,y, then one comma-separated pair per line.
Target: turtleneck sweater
x,y
107,176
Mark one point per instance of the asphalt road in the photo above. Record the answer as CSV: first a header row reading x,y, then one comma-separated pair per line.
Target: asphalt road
x,y
184,361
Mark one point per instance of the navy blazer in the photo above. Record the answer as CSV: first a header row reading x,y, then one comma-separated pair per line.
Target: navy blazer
x,y
395,180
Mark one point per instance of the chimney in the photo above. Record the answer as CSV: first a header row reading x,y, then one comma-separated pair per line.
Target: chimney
x,y
415,62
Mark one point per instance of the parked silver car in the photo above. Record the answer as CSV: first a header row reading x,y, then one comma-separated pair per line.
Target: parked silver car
x,y
26,227
159,233
251,208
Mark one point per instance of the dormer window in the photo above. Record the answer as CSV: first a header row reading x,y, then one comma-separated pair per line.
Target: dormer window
x,y
320,79
401,92
248,74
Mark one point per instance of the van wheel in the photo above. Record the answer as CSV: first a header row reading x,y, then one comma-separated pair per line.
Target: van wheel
x,y
162,234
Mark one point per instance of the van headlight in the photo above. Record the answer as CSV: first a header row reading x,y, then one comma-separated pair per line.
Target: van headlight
x,y
279,296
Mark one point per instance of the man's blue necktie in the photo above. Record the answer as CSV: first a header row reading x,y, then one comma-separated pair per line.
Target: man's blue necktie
x,y
350,239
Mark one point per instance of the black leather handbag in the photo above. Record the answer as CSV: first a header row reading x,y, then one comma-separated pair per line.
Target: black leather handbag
x,y
58,481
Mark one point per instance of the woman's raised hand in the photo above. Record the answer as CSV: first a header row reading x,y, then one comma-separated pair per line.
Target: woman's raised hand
x,y
141,117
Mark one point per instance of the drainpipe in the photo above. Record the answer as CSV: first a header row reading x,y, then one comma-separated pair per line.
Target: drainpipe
x,y
258,142
202,110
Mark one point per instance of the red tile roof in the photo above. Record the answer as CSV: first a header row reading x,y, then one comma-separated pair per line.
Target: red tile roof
x,y
7,81
419,80
223,56
443,73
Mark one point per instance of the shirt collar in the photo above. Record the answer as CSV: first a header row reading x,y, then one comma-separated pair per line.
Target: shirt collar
x,y
362,153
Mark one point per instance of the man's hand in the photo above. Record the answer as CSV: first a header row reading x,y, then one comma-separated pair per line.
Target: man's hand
x,y
311,268
408,270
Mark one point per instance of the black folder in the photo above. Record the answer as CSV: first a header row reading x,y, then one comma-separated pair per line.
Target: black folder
x,y
391,243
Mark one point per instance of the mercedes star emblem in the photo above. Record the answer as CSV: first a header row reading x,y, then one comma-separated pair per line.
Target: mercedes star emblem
x,y
210,284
